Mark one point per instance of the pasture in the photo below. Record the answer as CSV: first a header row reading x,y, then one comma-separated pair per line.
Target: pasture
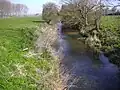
x,y
17,70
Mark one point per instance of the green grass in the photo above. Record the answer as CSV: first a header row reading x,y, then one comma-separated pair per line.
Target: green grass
x,y
110,22
111,31
111,38
15,22
18,72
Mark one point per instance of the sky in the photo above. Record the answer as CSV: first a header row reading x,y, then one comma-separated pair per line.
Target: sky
x,y
35,6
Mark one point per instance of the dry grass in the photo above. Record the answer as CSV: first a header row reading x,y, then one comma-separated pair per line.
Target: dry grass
x,y
47,37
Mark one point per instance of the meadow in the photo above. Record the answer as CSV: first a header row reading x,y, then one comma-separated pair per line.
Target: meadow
x,y
19,70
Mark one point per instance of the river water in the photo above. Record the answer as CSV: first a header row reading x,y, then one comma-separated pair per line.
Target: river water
x,y
84,73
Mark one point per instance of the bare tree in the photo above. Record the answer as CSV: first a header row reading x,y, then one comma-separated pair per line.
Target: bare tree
x,y
49,12
18,9
86,12
85,16
114,4
2,7
114,9
25,9
13,7
7,8
111,6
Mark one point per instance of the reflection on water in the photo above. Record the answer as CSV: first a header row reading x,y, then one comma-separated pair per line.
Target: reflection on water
x,y
80,66
104,59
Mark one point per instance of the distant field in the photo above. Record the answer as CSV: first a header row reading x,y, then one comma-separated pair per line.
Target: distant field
x,y
110,22
15,22
18,72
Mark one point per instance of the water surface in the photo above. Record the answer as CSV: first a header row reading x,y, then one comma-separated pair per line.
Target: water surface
x,y
84,72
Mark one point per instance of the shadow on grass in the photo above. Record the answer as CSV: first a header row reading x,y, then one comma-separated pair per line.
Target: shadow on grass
x,y
39,21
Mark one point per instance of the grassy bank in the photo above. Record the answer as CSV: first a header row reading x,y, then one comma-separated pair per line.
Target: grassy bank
x,y
110,37
19,68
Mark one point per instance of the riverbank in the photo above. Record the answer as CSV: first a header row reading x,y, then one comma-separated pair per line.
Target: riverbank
x,y
22,67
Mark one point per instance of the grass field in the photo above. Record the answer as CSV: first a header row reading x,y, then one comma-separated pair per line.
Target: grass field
x,y
110,22
19,22
18,72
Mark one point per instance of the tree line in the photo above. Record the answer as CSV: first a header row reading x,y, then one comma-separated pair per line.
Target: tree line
x,y
7,8
111,11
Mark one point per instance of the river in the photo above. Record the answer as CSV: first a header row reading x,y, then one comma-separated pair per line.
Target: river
x,y
81,72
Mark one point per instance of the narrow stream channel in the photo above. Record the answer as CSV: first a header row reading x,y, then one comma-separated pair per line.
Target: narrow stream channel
x,y
84,73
